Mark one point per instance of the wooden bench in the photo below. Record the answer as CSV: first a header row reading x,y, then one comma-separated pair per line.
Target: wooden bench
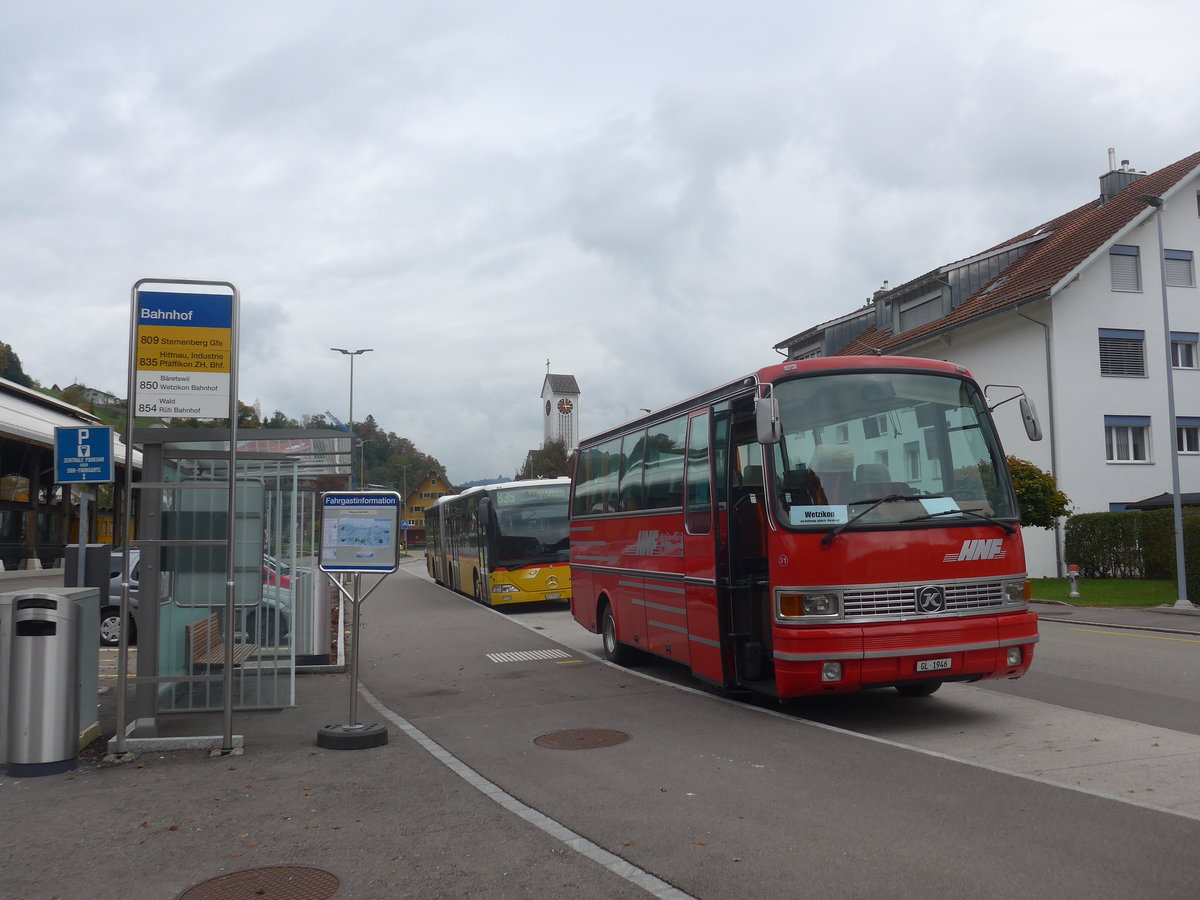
x,y
205,647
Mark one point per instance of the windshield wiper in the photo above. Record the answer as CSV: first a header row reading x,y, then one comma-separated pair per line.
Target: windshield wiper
x,y
1008,529
827,540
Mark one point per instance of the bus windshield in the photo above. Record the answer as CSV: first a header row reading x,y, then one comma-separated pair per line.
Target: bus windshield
x,y
531,526
917,447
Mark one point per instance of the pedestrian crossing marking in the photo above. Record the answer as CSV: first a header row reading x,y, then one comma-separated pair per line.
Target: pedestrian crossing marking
x,y
526,655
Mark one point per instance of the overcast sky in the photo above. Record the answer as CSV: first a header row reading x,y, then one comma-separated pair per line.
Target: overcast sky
x,y
651,195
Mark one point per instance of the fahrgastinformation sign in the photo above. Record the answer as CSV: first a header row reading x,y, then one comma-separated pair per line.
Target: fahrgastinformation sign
x,y
183,354
360,531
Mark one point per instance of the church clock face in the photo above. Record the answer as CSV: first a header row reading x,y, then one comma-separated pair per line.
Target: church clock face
x,y
547,407
565,406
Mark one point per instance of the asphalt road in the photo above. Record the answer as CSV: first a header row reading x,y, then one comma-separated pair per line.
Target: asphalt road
x,y
969,793
1108,711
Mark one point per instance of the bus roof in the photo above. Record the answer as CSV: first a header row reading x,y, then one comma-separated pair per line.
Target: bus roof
x,y
509,485
777,372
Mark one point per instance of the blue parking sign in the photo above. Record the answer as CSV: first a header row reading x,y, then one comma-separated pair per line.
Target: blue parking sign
x,y
83,455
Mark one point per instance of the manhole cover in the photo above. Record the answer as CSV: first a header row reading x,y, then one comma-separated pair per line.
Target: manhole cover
x,y
581,739
279,882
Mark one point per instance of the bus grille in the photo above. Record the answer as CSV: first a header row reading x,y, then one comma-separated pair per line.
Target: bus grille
x,y
901,600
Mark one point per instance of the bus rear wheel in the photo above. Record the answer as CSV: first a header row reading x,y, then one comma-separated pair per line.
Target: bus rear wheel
x,y
924,689
614,651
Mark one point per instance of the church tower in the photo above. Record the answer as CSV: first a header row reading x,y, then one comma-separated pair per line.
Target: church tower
x,y
560,410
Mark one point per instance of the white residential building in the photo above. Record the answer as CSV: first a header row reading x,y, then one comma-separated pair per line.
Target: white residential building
x,y
1072,311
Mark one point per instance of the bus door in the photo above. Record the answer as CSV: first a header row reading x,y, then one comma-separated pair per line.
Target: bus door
x,y
700,553
749,595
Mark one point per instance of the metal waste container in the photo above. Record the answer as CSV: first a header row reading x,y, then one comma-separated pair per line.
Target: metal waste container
x,y
43,685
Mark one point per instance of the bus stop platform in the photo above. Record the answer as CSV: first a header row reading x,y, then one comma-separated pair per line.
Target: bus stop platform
x,y
518,768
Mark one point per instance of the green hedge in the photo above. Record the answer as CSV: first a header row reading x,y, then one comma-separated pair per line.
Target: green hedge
x,y
1133,545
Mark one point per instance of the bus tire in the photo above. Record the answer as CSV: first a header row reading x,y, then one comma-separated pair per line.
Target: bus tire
x,y
614,651
924,689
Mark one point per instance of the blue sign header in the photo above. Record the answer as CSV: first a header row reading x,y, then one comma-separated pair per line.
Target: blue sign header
x,y
185,310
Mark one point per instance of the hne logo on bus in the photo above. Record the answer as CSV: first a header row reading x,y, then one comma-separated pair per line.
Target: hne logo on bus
x,y
656,543
991,548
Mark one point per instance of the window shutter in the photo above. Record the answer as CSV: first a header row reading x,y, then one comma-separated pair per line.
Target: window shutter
x,y
1125,275
1122,356
921,314
1179,272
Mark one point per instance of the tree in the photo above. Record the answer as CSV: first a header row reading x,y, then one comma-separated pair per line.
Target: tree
x,y
10,367
279,420
1038,496
550,461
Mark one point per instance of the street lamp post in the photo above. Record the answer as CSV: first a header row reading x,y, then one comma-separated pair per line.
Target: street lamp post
x,y
1181,600
350,424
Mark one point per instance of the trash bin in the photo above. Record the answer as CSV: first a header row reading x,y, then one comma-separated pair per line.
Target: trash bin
x,y
43,685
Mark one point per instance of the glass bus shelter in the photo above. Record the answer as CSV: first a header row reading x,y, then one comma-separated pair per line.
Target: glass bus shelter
x,y
282,615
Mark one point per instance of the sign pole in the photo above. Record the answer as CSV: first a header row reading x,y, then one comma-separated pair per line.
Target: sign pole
x,y
359,533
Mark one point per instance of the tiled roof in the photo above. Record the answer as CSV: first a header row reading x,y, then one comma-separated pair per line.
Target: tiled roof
x,y
1072,238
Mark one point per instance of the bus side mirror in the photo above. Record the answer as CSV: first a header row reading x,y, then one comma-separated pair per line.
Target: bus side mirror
x,y
766,415
1033,427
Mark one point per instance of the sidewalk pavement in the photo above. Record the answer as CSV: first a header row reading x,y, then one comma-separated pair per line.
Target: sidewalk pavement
x,y
401,821
1146,618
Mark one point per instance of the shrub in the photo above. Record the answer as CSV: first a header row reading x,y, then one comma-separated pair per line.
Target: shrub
x,y
1134,545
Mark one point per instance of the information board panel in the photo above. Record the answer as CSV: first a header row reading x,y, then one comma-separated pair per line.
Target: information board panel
x,y
360,531
83,455
183,354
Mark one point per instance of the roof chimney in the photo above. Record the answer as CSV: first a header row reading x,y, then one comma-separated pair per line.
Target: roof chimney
x,y
1116,180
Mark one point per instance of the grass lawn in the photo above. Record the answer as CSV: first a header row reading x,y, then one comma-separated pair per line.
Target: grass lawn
x,y
1106,591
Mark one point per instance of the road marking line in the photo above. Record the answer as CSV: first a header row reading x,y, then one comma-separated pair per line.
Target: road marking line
x,y
1153,637
615,864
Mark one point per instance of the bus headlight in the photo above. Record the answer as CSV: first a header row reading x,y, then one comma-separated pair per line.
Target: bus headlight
x,y
1014,591
803,604
1014,656
504,589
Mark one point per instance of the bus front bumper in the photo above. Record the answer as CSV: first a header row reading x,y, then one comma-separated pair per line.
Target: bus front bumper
x,y
843,658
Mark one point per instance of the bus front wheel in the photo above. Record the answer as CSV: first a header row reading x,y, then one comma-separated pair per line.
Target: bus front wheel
x,y
614,650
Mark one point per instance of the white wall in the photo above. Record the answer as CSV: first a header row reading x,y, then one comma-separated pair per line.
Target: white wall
x,y
1005,348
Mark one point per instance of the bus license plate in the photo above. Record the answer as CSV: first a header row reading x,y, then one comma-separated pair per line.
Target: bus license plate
x,y
554,596
933,665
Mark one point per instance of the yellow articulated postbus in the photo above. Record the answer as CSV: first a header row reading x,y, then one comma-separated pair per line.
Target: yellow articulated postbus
x,y
503,543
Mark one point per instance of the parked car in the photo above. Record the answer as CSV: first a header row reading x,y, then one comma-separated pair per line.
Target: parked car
x,y
268,624
110,615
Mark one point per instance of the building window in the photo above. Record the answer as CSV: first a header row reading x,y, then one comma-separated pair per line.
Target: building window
x,y
912,461
1127,439
1183,349
1122,352
427,495
416,509
1187,434
1180,271
920,311
1124,266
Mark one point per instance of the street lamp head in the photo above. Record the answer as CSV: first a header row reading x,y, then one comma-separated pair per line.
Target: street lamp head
x,y
353,352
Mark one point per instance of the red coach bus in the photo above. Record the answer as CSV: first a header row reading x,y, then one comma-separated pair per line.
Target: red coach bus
x,y
819,526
